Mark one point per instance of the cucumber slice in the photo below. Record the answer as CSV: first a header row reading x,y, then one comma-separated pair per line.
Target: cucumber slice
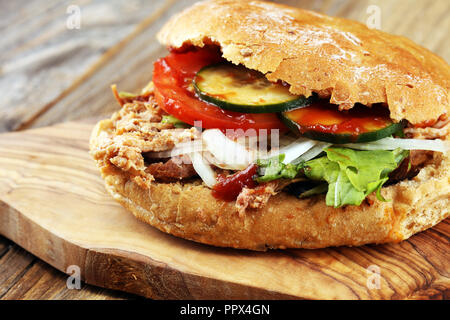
x,y
237,88
323,121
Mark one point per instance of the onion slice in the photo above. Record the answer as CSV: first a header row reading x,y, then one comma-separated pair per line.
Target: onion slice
x,y
226,151
406,144
294,149
312,153
203,169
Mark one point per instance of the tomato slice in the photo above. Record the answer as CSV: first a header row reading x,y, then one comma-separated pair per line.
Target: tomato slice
x,y
172,77
323,121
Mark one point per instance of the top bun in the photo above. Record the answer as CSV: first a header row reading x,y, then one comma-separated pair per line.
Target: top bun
x,y
339,59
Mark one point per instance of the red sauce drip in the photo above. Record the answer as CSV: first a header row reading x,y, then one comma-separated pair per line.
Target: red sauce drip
x,y
229,187
325,117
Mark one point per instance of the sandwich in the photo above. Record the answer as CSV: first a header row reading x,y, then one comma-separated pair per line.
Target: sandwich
x,y
271,127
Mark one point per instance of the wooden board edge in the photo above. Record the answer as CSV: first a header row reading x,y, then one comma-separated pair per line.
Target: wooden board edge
x,y
119,269
126,271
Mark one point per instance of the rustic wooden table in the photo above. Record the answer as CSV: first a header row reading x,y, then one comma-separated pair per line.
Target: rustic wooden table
x,y
54,70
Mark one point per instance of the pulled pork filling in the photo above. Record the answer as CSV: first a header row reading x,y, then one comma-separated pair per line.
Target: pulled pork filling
x,y
137,131
176,168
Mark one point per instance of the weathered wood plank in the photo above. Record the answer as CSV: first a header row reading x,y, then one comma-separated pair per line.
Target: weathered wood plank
x,y
5,245
41,59
19,11
42,281
13,264
130,69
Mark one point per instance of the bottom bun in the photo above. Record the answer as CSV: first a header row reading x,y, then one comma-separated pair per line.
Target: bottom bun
x,y
188,210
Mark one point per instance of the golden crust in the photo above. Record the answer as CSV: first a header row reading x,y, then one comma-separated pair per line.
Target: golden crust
x,y
334,57
285,222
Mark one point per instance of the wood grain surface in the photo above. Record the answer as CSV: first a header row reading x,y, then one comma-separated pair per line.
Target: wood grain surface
x,y
55,206
51,74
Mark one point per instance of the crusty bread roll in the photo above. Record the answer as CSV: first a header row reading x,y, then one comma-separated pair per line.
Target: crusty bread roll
x,y
337,58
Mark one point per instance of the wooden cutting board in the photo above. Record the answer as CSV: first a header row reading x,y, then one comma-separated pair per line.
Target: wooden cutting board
x,y
53,204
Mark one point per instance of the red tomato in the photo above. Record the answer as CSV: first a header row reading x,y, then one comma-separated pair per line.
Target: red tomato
x,y
172,77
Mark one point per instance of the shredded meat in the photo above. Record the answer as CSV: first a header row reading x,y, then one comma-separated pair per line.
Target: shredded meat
x,y
410,166
257,197
139,125
173,169
440,130
136,129
417,159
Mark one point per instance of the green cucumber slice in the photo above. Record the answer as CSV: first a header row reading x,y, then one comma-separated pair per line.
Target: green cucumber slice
x,y
324,122
237,88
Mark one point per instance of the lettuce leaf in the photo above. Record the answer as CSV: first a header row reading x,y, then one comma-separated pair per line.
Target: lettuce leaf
x,y
274,168
353,174
174,121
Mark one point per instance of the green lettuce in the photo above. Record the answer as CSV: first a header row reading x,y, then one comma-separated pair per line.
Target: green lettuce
x,y
177,123
351,174
274,168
